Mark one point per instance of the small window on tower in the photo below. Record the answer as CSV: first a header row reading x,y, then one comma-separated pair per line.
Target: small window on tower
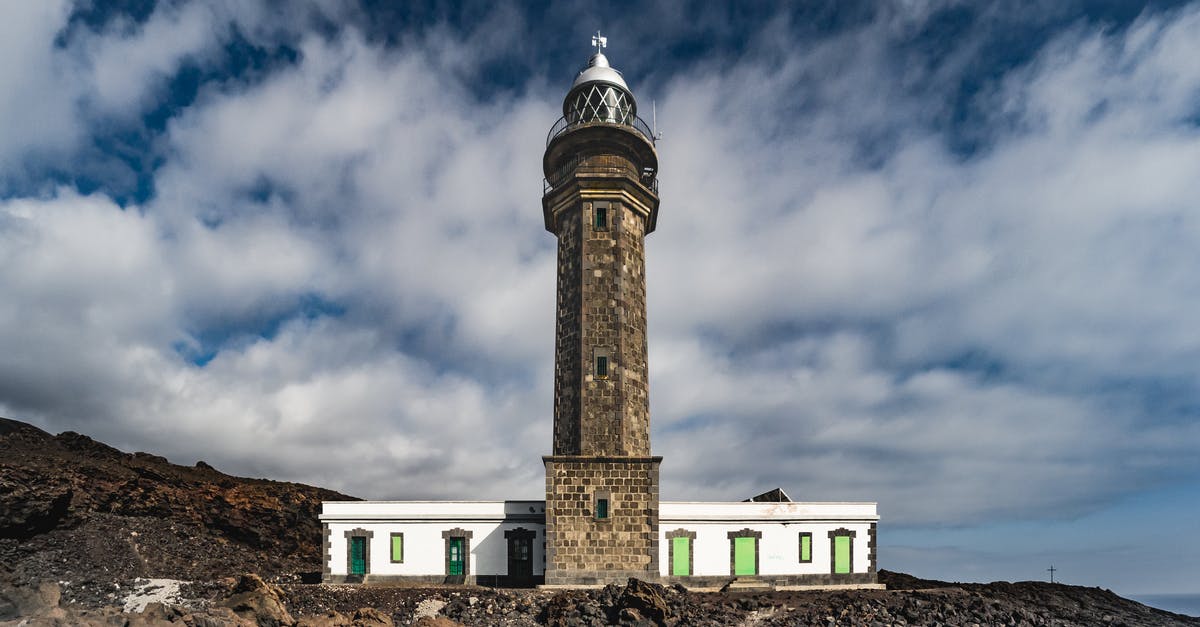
x,y
601,217
602,366
601,509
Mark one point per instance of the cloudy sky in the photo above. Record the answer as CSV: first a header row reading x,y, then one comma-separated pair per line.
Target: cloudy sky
x,y
940,255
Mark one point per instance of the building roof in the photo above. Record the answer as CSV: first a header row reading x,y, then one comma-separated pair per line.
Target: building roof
x,y
771,496
599,71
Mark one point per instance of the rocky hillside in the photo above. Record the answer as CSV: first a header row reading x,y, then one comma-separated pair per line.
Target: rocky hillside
x,y
72,508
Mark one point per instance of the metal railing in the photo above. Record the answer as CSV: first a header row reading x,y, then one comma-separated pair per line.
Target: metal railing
x,y
562,126
602,165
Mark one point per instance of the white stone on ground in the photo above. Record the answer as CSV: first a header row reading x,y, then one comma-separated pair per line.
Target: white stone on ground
x,y
428,607
147,591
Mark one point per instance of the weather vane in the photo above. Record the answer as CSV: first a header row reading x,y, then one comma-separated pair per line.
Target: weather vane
x,y
599,42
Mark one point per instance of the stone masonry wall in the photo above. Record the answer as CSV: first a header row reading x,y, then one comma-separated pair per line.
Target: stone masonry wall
x,y
614,409
567,358
630,269
583,550
601,418
601,309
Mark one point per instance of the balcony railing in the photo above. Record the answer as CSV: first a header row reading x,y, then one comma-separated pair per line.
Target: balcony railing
x,y
563,125
601,165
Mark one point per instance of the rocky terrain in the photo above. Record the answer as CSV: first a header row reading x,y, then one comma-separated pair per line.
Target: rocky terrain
x,y
90,535
72,508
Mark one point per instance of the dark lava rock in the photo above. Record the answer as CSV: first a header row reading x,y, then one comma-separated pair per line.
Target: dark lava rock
x,y
643,602
255,600
79,488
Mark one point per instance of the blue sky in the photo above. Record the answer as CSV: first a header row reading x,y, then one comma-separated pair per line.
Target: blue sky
x,y
939,255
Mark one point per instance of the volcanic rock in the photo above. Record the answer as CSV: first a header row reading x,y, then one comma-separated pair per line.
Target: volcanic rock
x,y
138,515
253,599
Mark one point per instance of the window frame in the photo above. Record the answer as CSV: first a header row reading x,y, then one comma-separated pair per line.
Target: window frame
x,y
605,498
672,555
805,535
744,533
392,547
367,537
849,534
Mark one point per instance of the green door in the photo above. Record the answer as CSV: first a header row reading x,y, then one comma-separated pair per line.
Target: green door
x,y
743,556
456,556
680,560
358,555
841,554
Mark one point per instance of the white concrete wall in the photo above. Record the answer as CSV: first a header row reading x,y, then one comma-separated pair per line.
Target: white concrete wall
x,y
780,524
422,525
767,512
429,510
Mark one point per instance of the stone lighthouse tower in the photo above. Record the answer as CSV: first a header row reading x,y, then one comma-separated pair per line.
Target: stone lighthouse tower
x,y
602,512
601,200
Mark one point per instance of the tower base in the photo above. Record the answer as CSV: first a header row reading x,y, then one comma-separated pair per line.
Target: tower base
x,y
592,543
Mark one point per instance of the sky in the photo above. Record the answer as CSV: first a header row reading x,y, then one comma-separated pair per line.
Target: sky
x,y
939,255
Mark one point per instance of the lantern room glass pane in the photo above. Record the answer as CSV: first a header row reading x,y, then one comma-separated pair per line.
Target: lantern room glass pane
x,y
600,103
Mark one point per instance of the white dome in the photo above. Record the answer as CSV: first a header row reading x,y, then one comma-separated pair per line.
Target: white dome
x,y
598,69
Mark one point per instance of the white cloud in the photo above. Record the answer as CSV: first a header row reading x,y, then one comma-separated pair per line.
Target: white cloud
x,y
85,294
1060,254
37,95
822,269
130,62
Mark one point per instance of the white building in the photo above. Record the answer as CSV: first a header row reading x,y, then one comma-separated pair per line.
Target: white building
x,y
602,520
702,544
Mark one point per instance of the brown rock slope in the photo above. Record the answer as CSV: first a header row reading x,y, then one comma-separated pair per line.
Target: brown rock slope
x,y
72,508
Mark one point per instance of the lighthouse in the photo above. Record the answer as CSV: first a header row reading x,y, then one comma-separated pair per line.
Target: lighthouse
x,y
600,202
601,521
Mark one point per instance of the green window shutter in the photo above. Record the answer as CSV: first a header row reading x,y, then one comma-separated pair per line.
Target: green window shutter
x,y
398,548
456,556
743,556
805,547
601,508
681,558
358,555
841,554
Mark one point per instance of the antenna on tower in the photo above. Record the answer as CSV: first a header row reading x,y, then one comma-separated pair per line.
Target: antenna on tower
x,y
654,120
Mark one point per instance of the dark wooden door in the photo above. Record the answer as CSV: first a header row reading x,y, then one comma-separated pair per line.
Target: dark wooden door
x,y
520,561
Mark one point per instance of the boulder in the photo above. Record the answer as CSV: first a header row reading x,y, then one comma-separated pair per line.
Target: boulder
x,y
155,615
369,616
646,602
332,618
436,621
255,600
35,600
